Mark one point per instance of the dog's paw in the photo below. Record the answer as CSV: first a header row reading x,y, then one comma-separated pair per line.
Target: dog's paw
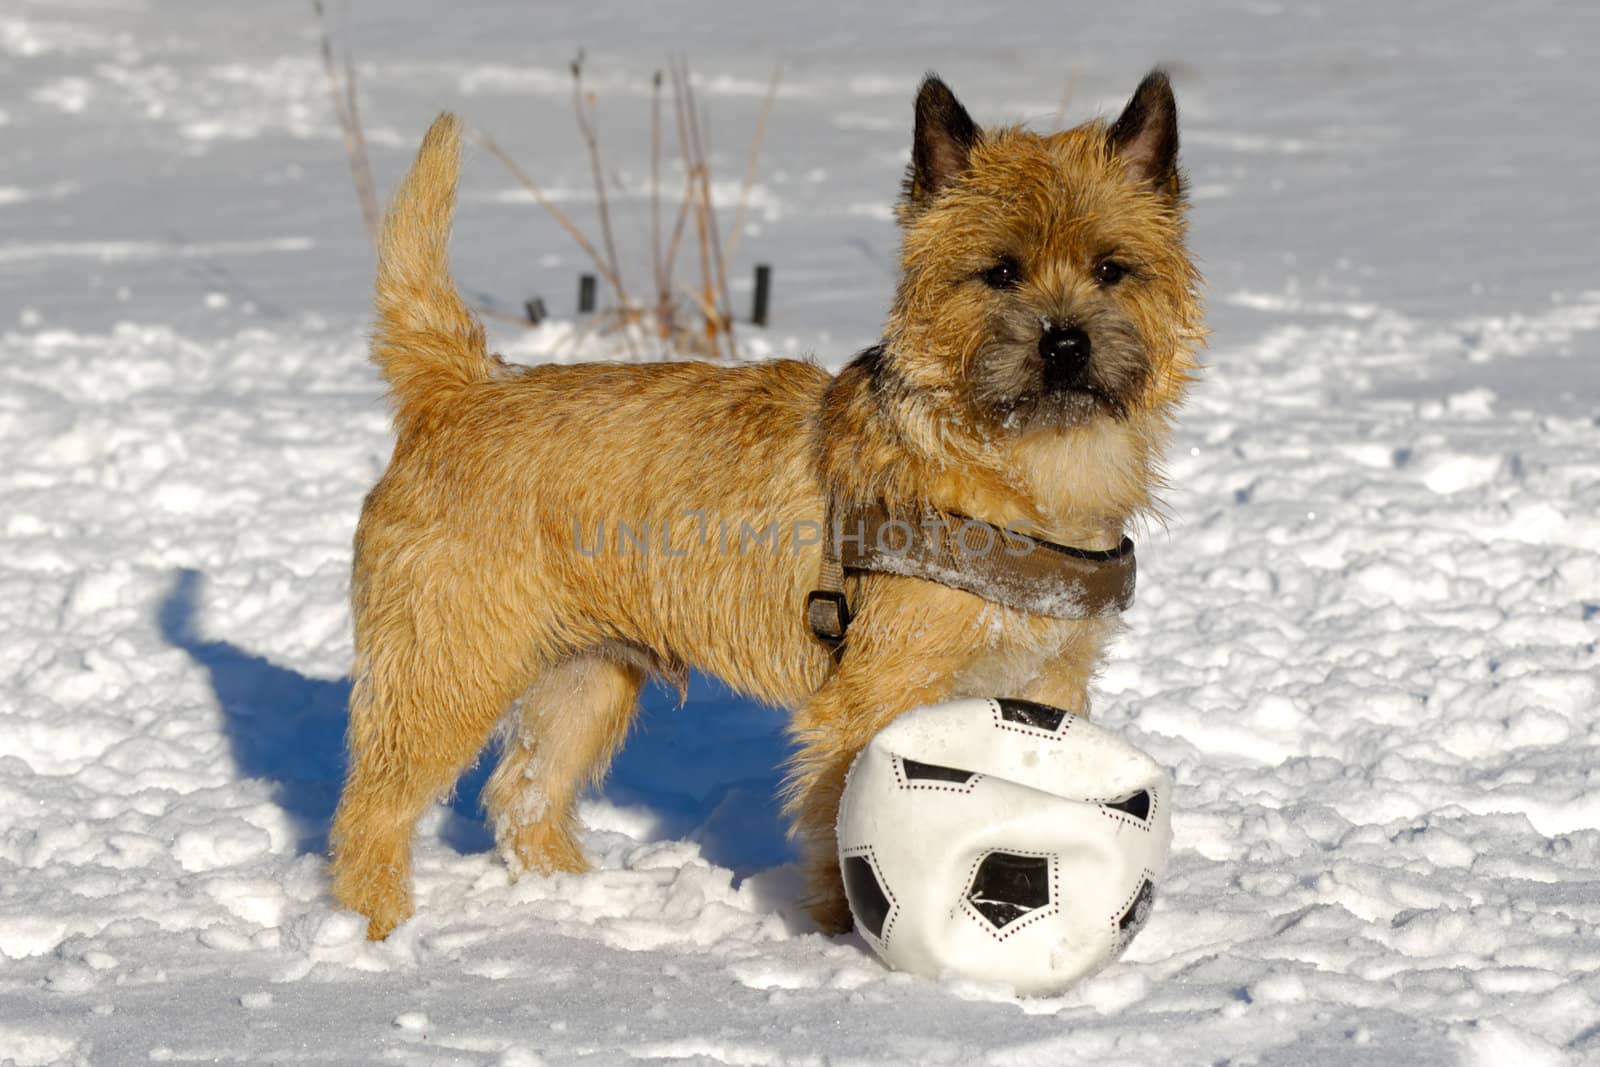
x,y
831,916
380,927
826,903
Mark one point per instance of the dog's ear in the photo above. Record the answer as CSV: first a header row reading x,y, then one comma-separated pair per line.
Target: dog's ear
x,y
944,138
1145,136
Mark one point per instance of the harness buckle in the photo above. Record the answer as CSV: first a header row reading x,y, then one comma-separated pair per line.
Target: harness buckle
x,y
828,615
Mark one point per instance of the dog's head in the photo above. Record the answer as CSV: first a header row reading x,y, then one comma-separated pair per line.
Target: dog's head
x,y
1045,282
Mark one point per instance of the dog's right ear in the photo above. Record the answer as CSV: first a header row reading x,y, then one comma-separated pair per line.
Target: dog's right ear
x,y
944,138
1145,135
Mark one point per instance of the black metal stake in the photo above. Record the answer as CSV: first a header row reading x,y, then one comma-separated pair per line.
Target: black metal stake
x,y
758,309
585,293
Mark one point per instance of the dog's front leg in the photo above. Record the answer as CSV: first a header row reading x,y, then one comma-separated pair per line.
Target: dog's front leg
x,y
830,729
1063,680
908,648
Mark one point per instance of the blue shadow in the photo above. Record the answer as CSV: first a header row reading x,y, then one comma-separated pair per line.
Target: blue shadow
x,y
709,770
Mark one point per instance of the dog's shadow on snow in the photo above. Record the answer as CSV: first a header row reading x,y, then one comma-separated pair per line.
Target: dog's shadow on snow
x,y
708,772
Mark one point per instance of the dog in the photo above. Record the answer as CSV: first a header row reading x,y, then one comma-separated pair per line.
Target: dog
x,y
547,539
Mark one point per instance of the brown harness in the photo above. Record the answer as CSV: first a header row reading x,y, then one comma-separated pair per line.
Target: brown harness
x,y
1000,565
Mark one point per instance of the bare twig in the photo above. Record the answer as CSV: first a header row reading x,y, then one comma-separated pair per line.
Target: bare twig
x,y
655,180
684,204
699,301
713,273
710,298
1068,91
702,211
701,128
662,276
670,264
343,93
488,143
683,108
360,165
750,166
583,105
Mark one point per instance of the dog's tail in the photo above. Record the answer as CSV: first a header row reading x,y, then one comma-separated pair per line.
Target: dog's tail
x,y
427,342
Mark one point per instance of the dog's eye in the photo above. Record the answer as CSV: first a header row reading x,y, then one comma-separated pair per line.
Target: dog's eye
x,y
1109,272
1003,275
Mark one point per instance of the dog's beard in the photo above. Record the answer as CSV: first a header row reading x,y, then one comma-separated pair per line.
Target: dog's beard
x,y
1012,383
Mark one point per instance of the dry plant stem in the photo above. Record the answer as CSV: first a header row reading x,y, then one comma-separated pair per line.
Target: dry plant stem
x,y
672,329
700,130
662,278
696,176
701,127
716,323
700,133
712,301
668,268
343,92
688,148
583,107
655,178
1067,93
489,145
360,165
669,262
750,166
699,301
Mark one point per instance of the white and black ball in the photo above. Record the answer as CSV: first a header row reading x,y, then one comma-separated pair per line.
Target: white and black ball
x,y
1002,840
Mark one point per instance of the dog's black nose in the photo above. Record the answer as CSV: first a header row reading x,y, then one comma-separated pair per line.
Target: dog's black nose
x,y
1065,350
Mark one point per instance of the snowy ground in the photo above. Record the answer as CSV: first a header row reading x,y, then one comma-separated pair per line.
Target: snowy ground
x,y
1368,642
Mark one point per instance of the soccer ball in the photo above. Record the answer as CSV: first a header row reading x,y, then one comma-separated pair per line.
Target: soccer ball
x,y
1002,840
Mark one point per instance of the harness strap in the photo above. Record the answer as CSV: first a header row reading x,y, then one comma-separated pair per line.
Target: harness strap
x,y
1001,565
827,612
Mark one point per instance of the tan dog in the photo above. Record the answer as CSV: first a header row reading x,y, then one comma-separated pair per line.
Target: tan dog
x,y
546,538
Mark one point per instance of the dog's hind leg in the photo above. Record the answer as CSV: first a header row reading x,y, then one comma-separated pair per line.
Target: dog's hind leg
x,y
421,707
563,732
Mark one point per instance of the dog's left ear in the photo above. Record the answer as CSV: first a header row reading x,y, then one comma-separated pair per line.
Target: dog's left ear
x,y
1145,136
944,139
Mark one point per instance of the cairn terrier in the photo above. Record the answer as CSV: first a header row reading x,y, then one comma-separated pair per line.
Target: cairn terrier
x,y
546,539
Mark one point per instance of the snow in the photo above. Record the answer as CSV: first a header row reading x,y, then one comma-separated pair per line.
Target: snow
x,y
1367,640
